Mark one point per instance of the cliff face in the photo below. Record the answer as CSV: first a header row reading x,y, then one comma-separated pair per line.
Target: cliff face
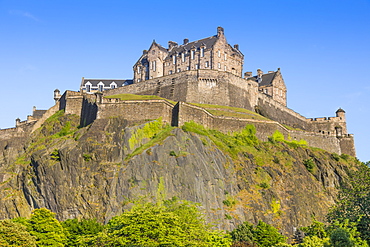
x,y
98,170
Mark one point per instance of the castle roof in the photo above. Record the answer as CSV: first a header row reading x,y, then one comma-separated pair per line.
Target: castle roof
x,y
107,82
266,79
207,42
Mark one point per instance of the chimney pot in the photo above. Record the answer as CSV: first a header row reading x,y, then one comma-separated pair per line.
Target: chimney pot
x,y
186,41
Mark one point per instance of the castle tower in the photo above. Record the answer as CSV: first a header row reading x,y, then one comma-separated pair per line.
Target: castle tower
x,y
341,114
57,95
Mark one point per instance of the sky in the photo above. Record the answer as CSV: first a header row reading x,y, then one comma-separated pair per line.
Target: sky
x,y
321,46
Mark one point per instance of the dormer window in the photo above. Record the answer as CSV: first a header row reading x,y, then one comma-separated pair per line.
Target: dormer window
x,y
88,88
101,87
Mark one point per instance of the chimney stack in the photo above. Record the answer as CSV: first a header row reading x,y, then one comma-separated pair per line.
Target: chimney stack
x,y
171,44
220,31
259,72
248,74
186,41
236,46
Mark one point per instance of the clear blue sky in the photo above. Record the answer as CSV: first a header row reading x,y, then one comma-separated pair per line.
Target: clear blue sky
x,y
322,48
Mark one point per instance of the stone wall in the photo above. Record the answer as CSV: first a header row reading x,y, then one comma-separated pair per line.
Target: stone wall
x,y
199,86
273,110
135,110
264,129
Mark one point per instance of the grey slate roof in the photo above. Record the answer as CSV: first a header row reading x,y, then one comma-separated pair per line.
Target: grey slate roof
x,y
207,42
107,82
266,79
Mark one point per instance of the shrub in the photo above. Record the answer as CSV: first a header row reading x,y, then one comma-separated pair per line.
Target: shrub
x,y
310,165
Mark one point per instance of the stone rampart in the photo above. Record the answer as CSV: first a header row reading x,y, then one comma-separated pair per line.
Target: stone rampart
x,y
52,110
277,112
135,110
264,129
198,86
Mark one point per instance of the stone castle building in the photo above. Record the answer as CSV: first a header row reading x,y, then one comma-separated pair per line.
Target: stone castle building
x,y
206,71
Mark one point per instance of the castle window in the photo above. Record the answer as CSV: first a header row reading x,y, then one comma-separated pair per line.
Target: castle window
x,y
138,69
197,66
170,72
138,80
187,67
174,59
225,56
154,65
219,53
219,65
206,64
192,54
178,70
225,68
183,57
202,52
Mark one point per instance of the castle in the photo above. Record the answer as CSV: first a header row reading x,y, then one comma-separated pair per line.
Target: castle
x,y
206,71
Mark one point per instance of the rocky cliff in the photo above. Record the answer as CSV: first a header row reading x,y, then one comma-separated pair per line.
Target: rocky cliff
x,y
98,170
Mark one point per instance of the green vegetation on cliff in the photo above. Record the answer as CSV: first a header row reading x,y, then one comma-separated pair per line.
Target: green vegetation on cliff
x,y
96,171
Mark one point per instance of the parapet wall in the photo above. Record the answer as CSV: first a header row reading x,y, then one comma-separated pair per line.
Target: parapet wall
x,y
135,110
198,86
264,129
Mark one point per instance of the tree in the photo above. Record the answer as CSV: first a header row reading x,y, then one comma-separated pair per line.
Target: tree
x,y
261,235
15,234
354,202
340,238
82,231
266,235
242,235
47,230
171,223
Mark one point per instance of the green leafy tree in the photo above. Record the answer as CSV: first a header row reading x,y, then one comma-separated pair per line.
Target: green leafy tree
x,y
81,232
47,230
314,241
317,229
171,223
266,235
261,235
15,234
243,234
354,202
340,238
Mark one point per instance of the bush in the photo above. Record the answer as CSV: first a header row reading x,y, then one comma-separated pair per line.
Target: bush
x,y
310,165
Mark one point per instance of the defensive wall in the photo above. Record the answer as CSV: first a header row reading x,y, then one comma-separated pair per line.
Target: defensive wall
x,y
90,107
198,86
97,107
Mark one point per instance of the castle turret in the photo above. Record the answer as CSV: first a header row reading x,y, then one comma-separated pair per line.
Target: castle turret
x,y
341,114
57,96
